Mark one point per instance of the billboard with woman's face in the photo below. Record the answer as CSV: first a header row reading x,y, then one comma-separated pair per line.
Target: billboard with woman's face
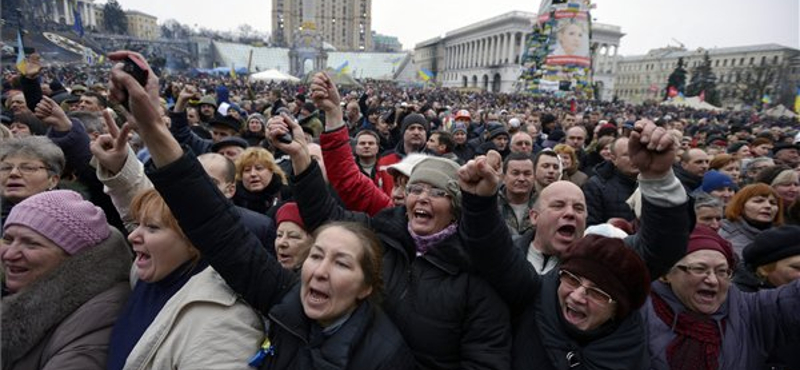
x,y
558,57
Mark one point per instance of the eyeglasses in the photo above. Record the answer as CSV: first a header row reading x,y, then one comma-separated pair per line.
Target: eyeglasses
x,y
572,281
418,189
24,168
704,271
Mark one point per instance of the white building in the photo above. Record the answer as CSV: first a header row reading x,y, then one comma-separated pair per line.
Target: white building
x,y
486,55
61,11
644,77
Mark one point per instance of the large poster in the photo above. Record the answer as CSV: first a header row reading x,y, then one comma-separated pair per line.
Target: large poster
x,y
557,59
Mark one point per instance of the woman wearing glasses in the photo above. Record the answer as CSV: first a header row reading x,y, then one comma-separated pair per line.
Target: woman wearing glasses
x,y
28,166
696,319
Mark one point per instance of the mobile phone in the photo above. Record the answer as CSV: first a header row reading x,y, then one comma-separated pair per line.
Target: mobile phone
x,y
137,70
287,137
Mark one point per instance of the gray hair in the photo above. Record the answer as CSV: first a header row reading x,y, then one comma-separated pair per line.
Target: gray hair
x,y
92,121
36,147
705,200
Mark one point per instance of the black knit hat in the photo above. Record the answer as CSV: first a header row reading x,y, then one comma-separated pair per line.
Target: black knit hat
x,y
613,268
773,245
414,118
227,121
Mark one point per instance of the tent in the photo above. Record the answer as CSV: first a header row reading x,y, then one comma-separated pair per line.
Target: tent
x,y
691,102
780,111
273,75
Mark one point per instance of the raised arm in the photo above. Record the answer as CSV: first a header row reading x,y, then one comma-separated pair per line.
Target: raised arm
x,y
180,124
357,190
316,204
204,214
666,215
486,236
118,169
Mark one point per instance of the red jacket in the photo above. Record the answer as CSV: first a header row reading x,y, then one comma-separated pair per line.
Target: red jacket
x,y
357,190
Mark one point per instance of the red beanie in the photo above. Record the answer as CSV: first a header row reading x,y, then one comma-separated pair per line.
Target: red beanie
x,y
289,212
704,237
612,267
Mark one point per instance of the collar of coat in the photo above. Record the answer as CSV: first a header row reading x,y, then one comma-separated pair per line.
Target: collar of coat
x,y
30,314
332,352
391,224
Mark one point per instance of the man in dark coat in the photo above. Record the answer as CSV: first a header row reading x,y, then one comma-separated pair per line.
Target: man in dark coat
x,y
612,184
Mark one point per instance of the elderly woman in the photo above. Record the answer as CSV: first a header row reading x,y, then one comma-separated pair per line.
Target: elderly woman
x,y
292,241
570,163
752,210
260,182
450,318
697,320
324,320
179,306
28,166
65,273
708,210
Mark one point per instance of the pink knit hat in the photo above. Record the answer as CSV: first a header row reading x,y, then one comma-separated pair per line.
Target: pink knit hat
x,y
63,217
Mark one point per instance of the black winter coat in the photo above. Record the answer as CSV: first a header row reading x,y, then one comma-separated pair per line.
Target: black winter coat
x,y
606,193
451,318
367,340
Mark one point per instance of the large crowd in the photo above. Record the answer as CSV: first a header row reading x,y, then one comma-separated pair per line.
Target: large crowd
x,y
206,222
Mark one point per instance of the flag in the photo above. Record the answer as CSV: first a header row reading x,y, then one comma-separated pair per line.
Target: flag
x,y
344,68
766,99
797,101
425,74
703,96
233,71
22,64
78,26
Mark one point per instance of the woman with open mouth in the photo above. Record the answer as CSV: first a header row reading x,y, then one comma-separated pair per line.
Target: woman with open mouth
x,y
322,319
65,280
292,241
696,319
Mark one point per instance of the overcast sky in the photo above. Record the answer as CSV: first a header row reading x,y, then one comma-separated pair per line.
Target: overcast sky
x,y
647,24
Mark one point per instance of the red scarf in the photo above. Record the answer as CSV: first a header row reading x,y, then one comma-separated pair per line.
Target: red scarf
x,y
697,341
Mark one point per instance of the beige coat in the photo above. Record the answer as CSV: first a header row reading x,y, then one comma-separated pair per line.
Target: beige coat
x,y
203,326
63,320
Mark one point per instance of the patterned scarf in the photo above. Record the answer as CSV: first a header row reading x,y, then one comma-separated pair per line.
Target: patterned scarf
x,y
697,341
423,243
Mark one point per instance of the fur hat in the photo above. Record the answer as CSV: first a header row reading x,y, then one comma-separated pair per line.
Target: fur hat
x,y
227,121
613,268
773,245
64,217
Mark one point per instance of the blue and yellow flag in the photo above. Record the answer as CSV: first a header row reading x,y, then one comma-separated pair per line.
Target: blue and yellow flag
x,y
344,68
425,75
797,101
22,64
78,26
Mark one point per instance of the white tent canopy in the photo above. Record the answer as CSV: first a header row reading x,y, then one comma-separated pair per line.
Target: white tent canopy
x,y
780,111
691,102
273,75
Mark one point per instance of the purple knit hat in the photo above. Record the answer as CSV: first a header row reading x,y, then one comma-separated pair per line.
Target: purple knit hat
x,y
63,217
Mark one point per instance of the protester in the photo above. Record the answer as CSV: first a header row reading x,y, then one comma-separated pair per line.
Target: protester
x,y
65,280
338,326
696,319
260,183
293,241
753,209
28,166
613,183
